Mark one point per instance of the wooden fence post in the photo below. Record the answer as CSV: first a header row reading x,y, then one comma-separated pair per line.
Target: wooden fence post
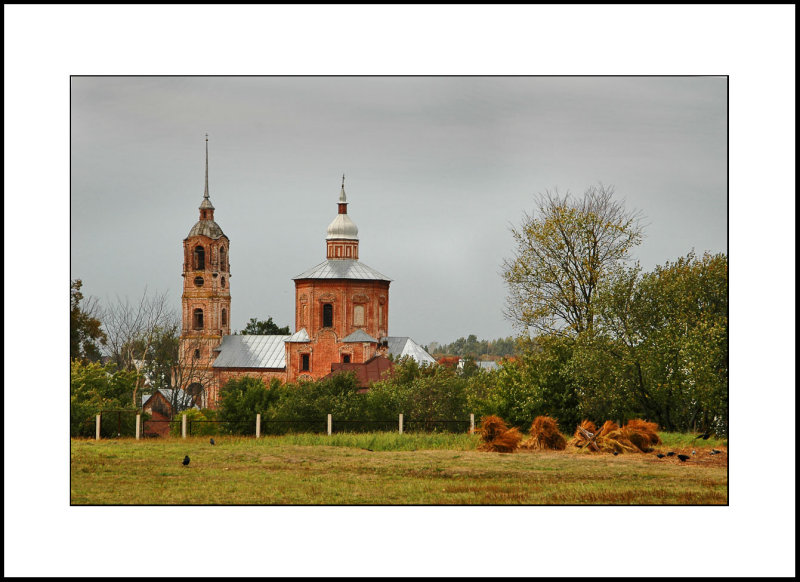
x,y
138,426
330,425
471,422
97,428
401,424
183,426
258,425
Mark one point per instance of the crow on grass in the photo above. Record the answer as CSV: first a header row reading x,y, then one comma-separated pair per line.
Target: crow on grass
x,y
661,455
715,452
683,458
615,453
186,461
705,436
212,441
671,454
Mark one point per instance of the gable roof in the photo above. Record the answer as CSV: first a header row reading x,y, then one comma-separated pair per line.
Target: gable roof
x,y
251,351
359,335
401,346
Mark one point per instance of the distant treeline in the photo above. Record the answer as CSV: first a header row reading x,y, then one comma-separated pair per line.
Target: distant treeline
x,y
471,346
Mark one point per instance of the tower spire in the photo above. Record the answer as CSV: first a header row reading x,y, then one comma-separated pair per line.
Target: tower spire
x,y
342,197
205,195
206,208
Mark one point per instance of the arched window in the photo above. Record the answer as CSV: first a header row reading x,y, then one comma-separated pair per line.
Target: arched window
x,y
198,281
224,317
197,354
222,282
305,360
198,319
222,263
327,315
199,258
346,358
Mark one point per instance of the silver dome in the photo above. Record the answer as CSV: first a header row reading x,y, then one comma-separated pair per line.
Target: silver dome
x,y
342,228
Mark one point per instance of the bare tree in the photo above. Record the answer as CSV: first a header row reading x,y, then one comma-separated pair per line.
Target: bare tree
x,y
132,328
563,251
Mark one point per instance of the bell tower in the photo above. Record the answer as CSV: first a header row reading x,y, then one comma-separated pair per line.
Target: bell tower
x,y
206,299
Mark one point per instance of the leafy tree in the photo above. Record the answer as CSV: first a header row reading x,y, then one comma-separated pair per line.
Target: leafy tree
x,y
241,399
563,252
85,328
337,395
538,383
94,388
260,327
664,336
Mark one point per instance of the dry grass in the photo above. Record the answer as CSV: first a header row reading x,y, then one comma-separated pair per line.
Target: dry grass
x,y
545,435
276,471
636,436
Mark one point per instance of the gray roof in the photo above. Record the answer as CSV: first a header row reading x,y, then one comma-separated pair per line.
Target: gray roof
x,y
486,365
299,336
359,335
252,351
207,228
405,346
182,396
342,269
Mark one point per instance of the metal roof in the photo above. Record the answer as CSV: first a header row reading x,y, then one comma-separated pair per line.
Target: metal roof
x,y
167,393
207,228
405,346
342,269
252,351
299,336
359,335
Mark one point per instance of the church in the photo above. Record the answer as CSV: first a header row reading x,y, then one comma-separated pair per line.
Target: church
x,y
341,316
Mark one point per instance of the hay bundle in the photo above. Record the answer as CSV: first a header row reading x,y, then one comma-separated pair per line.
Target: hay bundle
x,y
545,435
616,441
579,439
608,426
646,432
497,437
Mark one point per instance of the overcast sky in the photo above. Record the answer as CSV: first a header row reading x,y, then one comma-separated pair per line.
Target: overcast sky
x,y
437,169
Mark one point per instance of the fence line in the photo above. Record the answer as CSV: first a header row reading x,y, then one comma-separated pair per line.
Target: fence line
x,y
321,425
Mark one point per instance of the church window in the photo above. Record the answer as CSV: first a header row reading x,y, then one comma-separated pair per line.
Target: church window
x,y
222,263
198,281
222,282
199,258
304,362
327,315
346,358
224,317
198,319
358,315
196,354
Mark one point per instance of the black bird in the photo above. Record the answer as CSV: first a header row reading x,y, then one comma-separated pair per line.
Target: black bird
x,y
661,455
705,436
615,453
715,452
683,458
186,460
671,453
212,441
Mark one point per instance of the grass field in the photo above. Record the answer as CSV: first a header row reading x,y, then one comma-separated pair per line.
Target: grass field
x,y
409,469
